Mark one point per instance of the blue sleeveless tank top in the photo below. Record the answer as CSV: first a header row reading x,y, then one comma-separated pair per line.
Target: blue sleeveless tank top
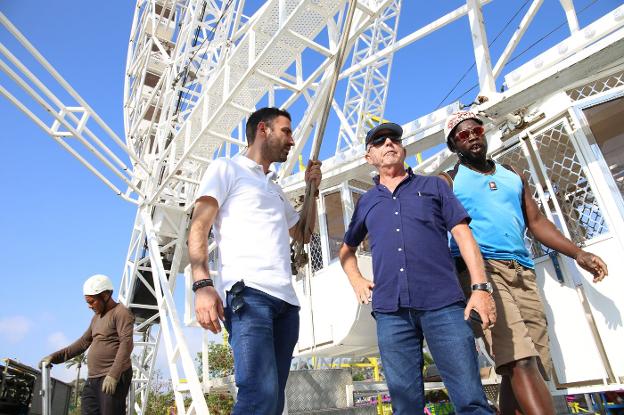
x,y
494,202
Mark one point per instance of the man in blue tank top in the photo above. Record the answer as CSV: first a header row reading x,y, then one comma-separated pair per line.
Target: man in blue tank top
x,y
501,207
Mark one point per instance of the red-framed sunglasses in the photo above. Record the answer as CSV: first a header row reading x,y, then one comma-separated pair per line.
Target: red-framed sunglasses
x,y
464,135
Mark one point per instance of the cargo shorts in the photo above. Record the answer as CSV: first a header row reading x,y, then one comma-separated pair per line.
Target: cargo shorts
x,y
521,327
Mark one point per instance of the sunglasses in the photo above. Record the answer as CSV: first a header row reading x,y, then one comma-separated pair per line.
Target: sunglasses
x,y
375,142
464,135
237,299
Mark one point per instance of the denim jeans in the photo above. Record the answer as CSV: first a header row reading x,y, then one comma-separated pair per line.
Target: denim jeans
x,y
452,346
262,334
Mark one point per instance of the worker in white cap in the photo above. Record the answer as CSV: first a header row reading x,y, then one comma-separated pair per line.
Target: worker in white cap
x,y
109,340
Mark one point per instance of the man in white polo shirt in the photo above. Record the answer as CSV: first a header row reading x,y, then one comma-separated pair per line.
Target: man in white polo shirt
x,y
252,221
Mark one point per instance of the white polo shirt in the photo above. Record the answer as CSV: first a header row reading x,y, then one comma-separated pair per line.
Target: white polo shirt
x,y
251,227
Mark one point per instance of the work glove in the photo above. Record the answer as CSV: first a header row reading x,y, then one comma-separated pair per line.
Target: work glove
x,y
109,385
47,361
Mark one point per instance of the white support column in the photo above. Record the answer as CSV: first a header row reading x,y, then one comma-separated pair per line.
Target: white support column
x,y
481,48
175,341
515,38
568,8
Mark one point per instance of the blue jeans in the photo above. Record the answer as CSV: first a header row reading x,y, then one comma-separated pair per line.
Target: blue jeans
x,y
262,334
452,346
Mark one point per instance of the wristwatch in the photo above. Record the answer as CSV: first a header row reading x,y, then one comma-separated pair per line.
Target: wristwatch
x,y
484,286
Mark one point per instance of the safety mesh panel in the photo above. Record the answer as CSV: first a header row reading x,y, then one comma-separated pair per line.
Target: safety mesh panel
x,y
315,253
576,198
597,86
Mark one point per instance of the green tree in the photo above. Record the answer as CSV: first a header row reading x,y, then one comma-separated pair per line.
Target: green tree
x,y
161,397
220,364
220,361
74,409
77,361
358,375
219,403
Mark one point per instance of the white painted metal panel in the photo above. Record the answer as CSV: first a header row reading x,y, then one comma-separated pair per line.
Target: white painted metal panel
x,y
342,326
570,335
306,334
606,300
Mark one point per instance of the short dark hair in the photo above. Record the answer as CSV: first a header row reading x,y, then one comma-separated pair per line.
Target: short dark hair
x,y
266,115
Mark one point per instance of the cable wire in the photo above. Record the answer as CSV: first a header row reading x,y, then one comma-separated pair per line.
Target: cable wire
x,y
490,44
531,46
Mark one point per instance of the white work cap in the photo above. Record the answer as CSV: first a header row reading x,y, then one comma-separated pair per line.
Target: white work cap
x,y
96,284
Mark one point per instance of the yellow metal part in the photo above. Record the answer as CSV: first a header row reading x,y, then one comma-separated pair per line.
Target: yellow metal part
x,y
301,165
374,364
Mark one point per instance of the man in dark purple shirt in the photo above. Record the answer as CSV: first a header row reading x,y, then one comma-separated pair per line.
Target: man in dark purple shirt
x,y
415,293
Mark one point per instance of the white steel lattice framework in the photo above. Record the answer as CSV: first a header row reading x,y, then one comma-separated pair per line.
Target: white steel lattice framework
x,y
174,47
367,88
195,70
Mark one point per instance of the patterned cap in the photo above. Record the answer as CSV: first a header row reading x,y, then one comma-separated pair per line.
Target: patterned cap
x,y
457,117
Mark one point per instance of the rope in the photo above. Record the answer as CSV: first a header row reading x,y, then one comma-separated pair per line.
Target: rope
x,y
300,257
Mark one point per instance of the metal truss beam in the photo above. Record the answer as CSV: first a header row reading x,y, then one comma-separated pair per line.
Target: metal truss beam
x,y
74,125
269,46
367,89
481,48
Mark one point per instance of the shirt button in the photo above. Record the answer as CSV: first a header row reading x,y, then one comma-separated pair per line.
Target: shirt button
x,y
400,249
398,229
401,270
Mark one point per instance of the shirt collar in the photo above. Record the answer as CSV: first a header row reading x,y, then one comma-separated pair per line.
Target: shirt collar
x,y
245,161
410,174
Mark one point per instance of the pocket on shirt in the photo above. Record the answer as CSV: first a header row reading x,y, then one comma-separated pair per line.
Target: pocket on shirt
x,y
421,208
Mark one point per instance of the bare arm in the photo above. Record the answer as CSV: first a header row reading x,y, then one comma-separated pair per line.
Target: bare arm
x,y
479,300
361,286
208,305
547,233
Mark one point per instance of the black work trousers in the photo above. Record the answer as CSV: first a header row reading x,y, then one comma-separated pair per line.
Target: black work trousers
x,y
96,402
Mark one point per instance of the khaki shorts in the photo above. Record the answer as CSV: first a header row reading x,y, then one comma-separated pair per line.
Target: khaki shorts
x,y
520,330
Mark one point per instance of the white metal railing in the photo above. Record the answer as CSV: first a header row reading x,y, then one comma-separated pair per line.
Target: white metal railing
x,y
75,120
46,390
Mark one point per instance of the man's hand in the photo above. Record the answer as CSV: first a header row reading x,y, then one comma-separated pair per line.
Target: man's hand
x,y
593,264
46,361
109,385
483,303
209,309
313,173
363,289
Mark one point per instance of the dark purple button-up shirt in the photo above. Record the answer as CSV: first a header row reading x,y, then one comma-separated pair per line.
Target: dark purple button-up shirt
x,y
412,264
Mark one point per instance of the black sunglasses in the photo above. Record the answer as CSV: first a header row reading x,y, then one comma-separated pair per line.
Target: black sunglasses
x,y
382,139
238,302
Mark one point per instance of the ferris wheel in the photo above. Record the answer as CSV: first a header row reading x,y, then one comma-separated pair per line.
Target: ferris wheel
x,y
195,70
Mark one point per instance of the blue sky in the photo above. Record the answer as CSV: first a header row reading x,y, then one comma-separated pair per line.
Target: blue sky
x,y
60,224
